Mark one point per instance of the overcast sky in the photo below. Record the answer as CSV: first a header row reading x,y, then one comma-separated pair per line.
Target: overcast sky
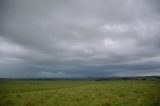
x,y
79,38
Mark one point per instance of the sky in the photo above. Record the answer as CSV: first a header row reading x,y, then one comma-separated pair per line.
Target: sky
x,y
79,38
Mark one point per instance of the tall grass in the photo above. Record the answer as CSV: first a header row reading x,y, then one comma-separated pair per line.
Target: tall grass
x,y
80,93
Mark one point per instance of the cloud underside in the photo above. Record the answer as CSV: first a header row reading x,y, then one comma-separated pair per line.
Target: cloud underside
x,y
79,38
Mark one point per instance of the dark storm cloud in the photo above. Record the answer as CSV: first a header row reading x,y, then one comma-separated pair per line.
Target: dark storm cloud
x,y
79,38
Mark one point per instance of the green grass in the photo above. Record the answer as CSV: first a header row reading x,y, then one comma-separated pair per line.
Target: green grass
x,y
80,93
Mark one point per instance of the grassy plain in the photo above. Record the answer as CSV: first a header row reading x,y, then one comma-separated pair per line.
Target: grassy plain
x,y
80,93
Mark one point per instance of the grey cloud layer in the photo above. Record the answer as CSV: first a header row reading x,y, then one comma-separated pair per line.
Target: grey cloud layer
x,y
79,38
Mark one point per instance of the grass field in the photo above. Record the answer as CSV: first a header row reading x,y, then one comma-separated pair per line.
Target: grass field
x,y
80,93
